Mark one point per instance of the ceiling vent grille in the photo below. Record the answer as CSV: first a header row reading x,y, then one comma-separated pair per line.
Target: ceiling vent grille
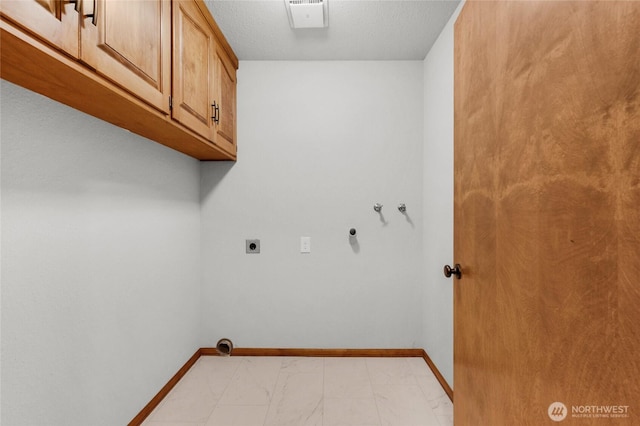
x,y
307,13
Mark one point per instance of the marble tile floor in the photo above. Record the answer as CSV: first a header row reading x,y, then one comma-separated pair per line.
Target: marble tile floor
x,y
292,391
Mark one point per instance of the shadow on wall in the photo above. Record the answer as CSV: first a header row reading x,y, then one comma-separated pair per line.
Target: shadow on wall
x,y
353,240
216,171
85,157
408,219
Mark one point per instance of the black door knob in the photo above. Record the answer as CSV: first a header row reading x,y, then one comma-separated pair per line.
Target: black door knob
x,y
456,270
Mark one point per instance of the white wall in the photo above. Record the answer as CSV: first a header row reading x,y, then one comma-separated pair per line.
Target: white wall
x,y
100,265
320,143
438,200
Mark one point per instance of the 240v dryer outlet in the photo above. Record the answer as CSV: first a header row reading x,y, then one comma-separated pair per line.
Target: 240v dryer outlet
x,y
252,246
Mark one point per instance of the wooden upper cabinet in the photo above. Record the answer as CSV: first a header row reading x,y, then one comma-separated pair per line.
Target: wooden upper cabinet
x,y
129,42
226,99
159,68
193,69
204,77
53,21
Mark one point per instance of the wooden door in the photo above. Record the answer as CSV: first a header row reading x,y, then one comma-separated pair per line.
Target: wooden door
x,y
54,21
129,42
226,98
547,213
193,69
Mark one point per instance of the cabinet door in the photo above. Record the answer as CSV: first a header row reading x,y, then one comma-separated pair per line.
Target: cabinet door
x,y
54,21
226,98
193,69
129,42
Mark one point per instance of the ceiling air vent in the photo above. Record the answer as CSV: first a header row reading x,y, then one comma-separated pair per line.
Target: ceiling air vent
x,y
307,13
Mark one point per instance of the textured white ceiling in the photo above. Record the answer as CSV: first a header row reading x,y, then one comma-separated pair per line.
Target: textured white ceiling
x,y
358,29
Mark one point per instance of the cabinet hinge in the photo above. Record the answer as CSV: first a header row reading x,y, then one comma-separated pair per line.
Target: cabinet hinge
x,y
170,103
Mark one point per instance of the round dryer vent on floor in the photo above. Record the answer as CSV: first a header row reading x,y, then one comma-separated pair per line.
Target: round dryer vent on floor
x,y
224,347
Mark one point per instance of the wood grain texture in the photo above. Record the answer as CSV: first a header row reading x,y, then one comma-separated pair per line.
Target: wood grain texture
x,y
226,98
131,46
307,352
50,5
547,210
194,71
220,38
51,21
69,82
155,401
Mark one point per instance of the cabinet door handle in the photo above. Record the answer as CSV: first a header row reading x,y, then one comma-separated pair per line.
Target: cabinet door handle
x,y
215,112
94,15
76,5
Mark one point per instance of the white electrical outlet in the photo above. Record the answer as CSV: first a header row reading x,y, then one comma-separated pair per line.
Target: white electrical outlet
x,y
305,244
